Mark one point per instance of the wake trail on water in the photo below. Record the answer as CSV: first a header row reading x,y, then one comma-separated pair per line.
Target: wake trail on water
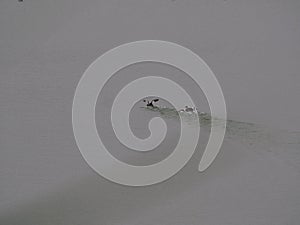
x,y
279,143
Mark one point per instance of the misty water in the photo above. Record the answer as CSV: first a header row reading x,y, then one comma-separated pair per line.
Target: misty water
x,y
251,46
280,143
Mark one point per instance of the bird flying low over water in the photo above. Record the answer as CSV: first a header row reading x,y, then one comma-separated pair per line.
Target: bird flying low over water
x,y
150,103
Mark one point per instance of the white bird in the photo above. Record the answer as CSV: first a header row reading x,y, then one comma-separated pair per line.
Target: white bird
x,y
189,109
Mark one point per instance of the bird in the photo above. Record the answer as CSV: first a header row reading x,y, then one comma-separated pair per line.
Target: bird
x,y
188,109
150,103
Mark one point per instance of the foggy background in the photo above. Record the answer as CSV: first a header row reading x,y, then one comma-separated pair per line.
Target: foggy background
x,y
253,48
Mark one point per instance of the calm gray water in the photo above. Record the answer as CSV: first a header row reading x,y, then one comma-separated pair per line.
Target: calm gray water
x,y
251,46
